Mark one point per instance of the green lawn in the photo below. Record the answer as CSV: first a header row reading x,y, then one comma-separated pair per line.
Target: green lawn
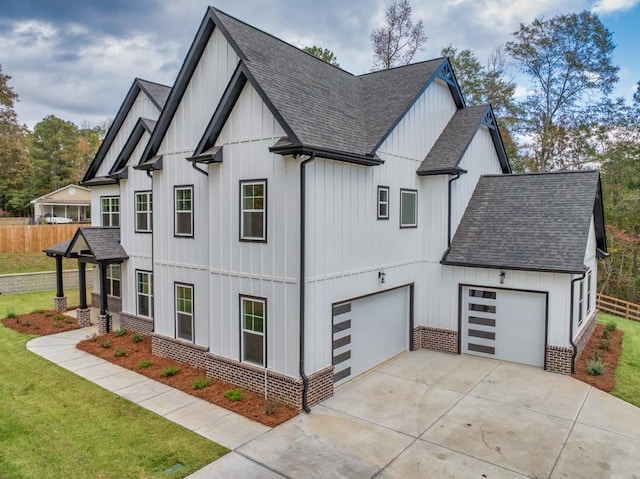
x,y
56,424
628,371
21,303
11,263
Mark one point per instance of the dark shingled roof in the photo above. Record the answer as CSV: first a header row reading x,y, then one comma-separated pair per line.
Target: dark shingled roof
x,y
58,249
103,243
157,92
537,222
454,140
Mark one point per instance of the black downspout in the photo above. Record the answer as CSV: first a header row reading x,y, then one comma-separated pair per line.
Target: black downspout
x,y
573,345
153,266
195,167
59,287
451,180
305,379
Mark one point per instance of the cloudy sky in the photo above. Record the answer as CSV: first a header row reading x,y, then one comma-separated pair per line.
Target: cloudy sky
x,y
76,59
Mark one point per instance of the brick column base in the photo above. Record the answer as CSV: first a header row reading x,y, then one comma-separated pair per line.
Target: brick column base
x,y
435,339
104,323
558,359
60,304
84,317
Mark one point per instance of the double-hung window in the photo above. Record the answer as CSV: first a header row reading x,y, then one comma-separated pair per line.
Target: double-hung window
x,y
110,208
383,202
144,293
253,210
144,212
184,311
581,302
183,222
589,292
408,208
253,318
113,280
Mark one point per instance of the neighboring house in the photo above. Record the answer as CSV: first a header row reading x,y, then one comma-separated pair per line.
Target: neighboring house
x,y
72,203
285,223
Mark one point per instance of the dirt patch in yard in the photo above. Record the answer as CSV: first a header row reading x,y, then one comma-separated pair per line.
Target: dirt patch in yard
x,y
609,357
41,323
123,351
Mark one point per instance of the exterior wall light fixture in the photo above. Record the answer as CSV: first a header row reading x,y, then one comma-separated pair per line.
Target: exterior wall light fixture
x,y
381,276
502,276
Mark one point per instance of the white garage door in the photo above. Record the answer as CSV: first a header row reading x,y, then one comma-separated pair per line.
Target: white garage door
x,y
368,331
504,324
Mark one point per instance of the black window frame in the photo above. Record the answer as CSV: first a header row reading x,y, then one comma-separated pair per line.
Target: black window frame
x,y
176,188
111,280
110,214
589,291
415,210
379,202
149,295
190,286
148,213
253,239
264,302
581,303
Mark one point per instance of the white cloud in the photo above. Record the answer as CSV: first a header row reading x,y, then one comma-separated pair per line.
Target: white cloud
x,y
610,6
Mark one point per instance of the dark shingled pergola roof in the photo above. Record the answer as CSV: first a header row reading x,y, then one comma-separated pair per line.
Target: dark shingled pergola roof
x,y
537,222
103,244
59,249
451,145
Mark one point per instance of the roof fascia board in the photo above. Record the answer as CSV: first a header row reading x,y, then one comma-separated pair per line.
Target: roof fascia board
x,y
130,145
428,83
444,171
598,219
113,131
512,267
100,181
189,65
299,149
498,143
446,74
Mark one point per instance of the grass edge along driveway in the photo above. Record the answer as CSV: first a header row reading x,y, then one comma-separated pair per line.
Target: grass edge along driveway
x,y
627,373
56,424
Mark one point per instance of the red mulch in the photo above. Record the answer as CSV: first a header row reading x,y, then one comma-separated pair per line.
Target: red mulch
x,y
252,405
606,381
41,324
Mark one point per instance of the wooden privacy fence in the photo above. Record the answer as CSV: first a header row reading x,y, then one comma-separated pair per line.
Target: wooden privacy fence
x,y
618,307
30,238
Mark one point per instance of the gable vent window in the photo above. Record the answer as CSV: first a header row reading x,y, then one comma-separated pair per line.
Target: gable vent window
x,y
408,208
110,208
183,222
383,202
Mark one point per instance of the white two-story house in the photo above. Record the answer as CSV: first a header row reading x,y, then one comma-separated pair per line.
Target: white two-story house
x,y
287,225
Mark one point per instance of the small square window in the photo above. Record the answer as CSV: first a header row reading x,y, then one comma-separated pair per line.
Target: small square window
x,y
408,208
383,202
253,210
183,196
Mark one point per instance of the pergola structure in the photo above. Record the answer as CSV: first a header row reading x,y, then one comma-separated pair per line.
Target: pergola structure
x,y
96,245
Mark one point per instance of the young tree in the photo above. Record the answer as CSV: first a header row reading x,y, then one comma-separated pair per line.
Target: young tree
x,y
323,54
53,150
399,39
15,170
568,59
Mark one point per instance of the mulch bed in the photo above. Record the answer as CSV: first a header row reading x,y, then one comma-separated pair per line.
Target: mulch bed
x,y
252,405
41,323
606,381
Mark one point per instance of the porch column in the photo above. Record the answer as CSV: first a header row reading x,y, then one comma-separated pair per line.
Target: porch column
x,y
60,301
104,319
84,312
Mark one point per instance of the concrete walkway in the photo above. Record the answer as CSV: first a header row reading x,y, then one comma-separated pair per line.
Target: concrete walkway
x,y
422,415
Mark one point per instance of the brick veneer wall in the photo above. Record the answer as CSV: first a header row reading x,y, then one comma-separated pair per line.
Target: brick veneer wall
x,y
435,339
280,387
136,323
114,305
46,281
558,359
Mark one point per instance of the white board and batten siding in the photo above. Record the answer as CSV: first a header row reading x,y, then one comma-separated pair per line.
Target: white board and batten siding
x,y
589,301
347,245
180,259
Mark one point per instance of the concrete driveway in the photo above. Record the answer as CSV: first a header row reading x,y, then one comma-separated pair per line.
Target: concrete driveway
x,y
434,415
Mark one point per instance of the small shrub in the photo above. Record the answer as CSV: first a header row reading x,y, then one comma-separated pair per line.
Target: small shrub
x,y
145,364
604,344
595,355
595,367
120,353
611,326
606,334
120,332
105,343
200,382
234,395
11,313
37,311
136,337
93,337
168,372
58,317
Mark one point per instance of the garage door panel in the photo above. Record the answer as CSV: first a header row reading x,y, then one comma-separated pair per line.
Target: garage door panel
x,y
504,324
